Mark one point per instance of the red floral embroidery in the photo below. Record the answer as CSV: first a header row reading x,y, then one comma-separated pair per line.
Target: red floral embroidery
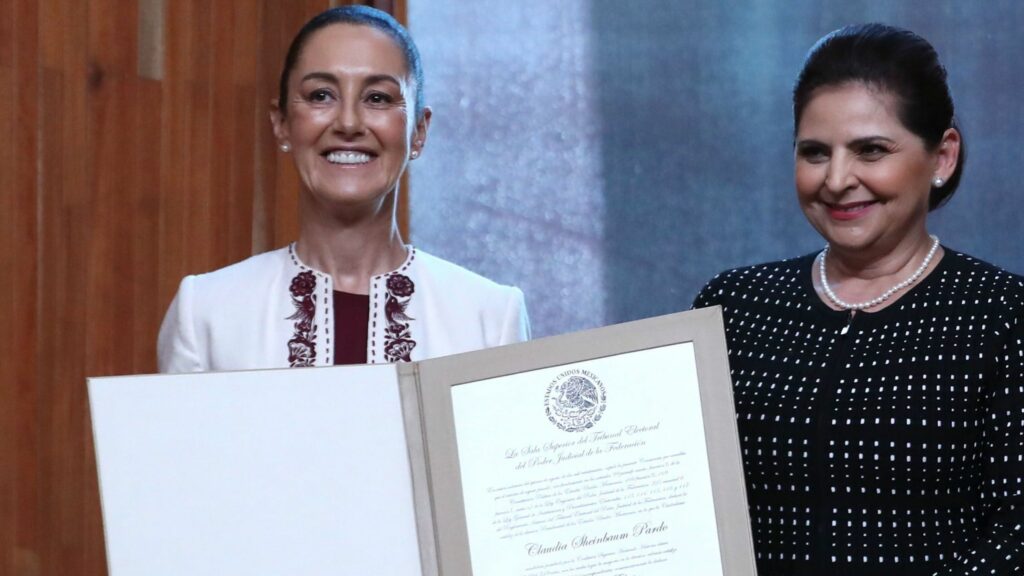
x,y
302,346
398,344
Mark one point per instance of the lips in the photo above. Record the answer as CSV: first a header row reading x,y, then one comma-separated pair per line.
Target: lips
x,y
850,210
348,157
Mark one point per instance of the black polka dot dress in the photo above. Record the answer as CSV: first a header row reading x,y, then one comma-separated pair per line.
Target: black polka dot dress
x,y
883,443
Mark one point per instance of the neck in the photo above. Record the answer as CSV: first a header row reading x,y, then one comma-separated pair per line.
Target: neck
x,y
859,264
352,249
874,283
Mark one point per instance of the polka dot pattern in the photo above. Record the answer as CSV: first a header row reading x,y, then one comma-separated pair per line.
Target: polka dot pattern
x,y
896,448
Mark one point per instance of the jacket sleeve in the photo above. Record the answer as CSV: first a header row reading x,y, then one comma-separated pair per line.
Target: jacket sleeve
x,y
176,346
1000,548
516,323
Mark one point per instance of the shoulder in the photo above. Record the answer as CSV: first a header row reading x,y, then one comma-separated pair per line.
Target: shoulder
x,y
241,287
781,275
253,271
966,276
474,311
458,280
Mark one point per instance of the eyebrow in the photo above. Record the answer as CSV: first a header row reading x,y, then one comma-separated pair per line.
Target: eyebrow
x,y
871,140
853,143
372,79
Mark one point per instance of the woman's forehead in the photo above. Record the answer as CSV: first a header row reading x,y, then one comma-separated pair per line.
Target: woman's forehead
x,y
851,106
352,49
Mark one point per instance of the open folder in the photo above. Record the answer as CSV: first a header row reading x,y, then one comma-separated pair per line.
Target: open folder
x,y
610,451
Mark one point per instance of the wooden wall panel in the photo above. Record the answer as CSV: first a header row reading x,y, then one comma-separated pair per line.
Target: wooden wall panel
x,y
9,406
121,174
142,236
19,462
23,246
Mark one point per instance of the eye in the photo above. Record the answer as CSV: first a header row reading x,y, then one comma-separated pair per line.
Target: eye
x,y
872,152
812,153
320,95
379,98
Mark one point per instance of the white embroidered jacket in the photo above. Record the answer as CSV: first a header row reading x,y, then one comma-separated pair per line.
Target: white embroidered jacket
x,y
273,311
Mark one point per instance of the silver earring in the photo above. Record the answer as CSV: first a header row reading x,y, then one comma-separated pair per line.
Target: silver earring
x,y
937,182
415,154
285,148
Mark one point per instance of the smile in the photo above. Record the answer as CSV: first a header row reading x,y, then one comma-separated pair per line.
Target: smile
x,y
348,157
850,211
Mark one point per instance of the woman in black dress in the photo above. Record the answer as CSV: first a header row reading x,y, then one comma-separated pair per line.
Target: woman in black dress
x,y
879,383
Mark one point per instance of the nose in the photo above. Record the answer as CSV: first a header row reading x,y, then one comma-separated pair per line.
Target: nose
x,y
349,118
840,175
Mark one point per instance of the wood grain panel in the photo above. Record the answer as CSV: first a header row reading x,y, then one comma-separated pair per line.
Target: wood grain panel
x,y
113,28
18,190
19,462
52,250
249,106
66,472
8,340
145,192
174,152
220,80
7,47
198,74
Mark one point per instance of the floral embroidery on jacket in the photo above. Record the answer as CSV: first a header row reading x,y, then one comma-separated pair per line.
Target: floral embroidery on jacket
x,y
398,344
302,346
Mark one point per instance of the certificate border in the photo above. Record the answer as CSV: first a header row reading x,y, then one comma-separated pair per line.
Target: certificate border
x,y
703,328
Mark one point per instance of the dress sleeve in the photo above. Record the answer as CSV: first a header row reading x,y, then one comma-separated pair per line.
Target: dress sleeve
x,y
709,295
176,345
1000,550
515,326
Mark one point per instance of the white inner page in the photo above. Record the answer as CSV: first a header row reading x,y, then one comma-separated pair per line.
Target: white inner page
x,y
598,467
268,472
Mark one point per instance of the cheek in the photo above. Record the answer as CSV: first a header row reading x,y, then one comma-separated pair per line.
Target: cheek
x,y
894,181
391,125
307,124
808,179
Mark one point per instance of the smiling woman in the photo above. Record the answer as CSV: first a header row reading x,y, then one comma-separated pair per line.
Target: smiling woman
x,y
349,290
348,122
878,382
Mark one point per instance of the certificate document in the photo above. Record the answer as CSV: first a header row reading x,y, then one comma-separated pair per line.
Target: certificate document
x,y
595,468
608,452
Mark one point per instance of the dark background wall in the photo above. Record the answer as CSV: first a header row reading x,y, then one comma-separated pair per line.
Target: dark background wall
x,y
697,96
610,157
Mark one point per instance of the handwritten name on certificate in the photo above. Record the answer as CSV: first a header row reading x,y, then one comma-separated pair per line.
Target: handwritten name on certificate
x,y
597,467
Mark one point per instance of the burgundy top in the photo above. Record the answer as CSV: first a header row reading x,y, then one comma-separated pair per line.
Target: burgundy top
x,y
351,318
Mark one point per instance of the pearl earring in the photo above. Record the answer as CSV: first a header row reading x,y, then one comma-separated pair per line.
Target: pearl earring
x,y
414,154
937,182
285,148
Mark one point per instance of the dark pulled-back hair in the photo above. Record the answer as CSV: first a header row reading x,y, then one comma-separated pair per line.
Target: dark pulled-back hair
x,y
894,61
359,16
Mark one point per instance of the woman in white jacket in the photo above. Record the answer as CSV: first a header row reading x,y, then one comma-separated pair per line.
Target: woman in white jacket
x,y
349,290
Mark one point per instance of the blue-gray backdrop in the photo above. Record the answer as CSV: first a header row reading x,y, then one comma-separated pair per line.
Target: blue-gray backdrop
x,y
610,157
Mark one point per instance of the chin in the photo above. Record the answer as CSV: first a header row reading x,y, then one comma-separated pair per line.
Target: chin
x,y
844,236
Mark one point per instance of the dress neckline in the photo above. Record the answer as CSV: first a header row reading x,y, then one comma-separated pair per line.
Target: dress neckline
x,y
807,267
410,255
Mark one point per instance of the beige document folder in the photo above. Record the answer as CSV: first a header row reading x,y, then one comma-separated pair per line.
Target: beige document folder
x,y
610,451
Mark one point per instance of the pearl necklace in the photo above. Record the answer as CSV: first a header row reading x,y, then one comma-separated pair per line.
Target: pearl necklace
x,y
885,295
